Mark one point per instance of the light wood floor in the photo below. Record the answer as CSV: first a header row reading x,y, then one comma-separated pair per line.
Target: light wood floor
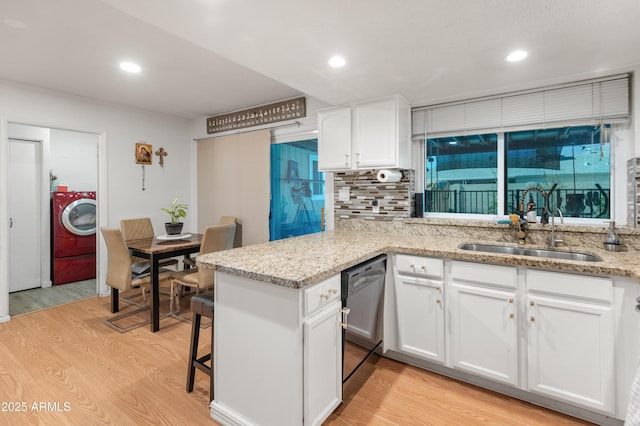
x,y
71,369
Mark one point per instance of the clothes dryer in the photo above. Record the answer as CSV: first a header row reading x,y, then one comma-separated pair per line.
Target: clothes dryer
x,y
73,236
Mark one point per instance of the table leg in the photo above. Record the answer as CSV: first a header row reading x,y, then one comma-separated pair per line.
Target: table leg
x,y
114,300
155,294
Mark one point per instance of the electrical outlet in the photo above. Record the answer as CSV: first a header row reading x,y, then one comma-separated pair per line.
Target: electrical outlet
x,y
375,207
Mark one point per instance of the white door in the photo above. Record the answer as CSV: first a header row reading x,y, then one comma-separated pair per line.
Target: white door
x,y
25,244
322,365
420,317
571,351
376,130
484,332
334,139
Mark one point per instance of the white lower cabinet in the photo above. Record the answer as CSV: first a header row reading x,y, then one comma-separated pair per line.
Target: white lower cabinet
x,y
571,332
420,307
483,329
322,364
549,333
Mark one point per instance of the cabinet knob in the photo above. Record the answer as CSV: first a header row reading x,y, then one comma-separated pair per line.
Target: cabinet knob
x,y
532,303
332,291
324,296
510,300
532,319
511,316
438,301
346,159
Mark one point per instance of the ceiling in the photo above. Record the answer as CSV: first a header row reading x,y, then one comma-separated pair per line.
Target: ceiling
x,y
206,57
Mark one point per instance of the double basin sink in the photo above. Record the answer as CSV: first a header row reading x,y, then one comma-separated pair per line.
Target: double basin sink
x,y
534,252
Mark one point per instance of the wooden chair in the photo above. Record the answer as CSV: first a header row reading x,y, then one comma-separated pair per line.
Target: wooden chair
x,y
224,220
215,238
119,276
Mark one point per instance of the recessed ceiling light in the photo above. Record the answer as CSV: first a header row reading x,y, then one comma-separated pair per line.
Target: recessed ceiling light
x,y
337,62
130,67
516,55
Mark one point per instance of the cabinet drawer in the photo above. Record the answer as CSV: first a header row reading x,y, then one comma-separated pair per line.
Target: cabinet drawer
x,y
424,266
321,294
502,276
565,284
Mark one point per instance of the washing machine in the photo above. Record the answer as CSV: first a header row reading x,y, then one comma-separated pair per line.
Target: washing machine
x,y
73,236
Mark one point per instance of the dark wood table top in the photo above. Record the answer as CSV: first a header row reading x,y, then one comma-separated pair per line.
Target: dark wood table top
x,y
156,246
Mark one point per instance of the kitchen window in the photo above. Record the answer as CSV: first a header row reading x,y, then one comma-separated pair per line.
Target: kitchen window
x,y
480,155
461,173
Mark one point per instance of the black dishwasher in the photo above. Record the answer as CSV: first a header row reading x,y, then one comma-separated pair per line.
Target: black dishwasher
x,y
362,294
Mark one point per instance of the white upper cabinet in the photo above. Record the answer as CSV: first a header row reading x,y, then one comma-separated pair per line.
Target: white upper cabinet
x,y
334,139
367,135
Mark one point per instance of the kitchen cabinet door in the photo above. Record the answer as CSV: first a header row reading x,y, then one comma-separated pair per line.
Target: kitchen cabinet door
x,y
484,332
420,314
376,126
322,364
334,139
571,351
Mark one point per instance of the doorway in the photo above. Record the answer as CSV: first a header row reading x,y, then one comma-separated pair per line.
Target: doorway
x,y
297,190
41,162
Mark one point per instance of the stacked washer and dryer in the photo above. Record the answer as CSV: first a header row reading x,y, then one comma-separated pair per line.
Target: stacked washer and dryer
x,y
73,236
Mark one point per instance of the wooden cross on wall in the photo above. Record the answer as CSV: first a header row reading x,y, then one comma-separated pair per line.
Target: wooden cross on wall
x,y
161,153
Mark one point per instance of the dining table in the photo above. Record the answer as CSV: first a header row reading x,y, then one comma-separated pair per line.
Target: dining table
x,y
156,249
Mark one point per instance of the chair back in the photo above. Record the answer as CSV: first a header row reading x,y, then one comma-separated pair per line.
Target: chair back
x,y
136,229
215,238
226,220
119,263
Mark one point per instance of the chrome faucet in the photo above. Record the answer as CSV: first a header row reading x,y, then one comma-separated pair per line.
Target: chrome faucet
x,y
553,242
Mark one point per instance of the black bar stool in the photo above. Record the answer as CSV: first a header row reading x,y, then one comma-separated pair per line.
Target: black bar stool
x,y
201,305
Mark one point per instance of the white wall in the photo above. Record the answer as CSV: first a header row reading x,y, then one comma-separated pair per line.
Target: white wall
x,y
74,160
118,128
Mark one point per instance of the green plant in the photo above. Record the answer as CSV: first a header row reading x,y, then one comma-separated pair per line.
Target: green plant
x,y
176,211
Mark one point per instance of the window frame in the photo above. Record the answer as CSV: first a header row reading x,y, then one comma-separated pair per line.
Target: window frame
x,y
619,153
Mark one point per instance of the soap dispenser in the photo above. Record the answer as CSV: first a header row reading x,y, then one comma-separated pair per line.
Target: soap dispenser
x,y
531,210
612,241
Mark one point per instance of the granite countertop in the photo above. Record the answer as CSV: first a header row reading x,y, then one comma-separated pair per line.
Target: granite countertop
x,y
301,261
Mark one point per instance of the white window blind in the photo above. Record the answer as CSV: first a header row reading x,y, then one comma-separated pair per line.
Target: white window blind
x,y
585,102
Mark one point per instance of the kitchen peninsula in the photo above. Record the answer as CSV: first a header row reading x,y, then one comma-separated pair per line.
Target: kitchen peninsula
x,y
276,335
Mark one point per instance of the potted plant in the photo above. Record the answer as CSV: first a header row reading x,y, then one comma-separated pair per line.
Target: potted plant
x,y
177,212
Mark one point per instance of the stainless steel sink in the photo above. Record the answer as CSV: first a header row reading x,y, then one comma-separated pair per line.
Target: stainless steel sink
x,y
525,251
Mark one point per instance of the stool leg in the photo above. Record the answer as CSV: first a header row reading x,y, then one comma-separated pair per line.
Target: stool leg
x,y
193,352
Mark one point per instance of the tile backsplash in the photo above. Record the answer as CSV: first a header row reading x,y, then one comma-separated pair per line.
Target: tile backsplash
x,y
356,193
